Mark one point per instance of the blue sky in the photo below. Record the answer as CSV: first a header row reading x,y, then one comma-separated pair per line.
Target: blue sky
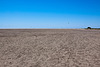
x,y
49,13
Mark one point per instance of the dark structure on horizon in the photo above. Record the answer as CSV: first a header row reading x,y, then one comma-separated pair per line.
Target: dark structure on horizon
x,y
89,28
93,28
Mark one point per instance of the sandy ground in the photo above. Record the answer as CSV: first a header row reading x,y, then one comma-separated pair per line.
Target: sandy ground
x,y
49,48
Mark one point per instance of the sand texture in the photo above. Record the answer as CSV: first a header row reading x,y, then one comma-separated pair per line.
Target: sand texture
x,y
49,48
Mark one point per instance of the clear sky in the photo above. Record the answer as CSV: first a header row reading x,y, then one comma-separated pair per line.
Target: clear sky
x,y
49,13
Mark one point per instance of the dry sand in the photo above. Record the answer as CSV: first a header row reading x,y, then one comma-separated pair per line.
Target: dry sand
x,y
49,48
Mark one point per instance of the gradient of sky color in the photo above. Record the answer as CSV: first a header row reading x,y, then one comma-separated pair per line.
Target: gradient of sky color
x,y
49,13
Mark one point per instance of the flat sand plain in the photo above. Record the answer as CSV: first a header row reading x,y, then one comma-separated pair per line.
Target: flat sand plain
x,y
49,48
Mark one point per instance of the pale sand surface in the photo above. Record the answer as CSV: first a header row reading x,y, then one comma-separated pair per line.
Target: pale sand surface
x,y
49,48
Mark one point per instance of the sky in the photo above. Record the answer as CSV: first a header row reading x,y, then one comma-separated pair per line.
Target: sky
x,y
49,13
